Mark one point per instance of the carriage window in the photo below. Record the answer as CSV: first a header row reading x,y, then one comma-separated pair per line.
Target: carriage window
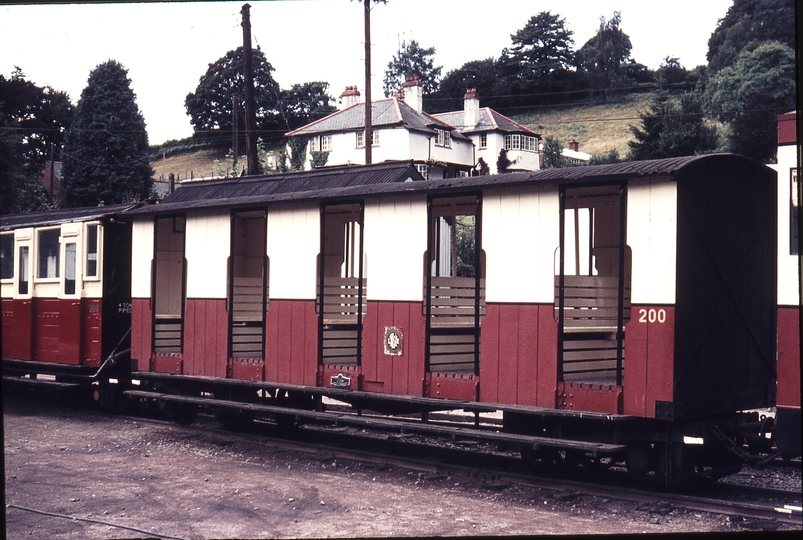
x,y
91,251
794,215
6,256
23,283
69,268
48,254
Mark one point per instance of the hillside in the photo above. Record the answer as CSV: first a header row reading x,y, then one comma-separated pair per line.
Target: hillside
x,y
598,128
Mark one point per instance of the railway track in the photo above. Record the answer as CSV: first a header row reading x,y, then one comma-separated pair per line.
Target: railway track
x,y
448,457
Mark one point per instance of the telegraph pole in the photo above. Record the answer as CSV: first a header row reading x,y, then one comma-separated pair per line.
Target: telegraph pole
x,y
250,121
368,109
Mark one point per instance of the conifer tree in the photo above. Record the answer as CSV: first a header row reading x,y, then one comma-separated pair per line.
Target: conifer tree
x,y
106,149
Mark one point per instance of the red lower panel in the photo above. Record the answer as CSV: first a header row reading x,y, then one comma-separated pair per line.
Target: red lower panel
x,y
447,386
788,366
247,369
649,359
70,332
206,344
590,397
167,363
402,373
57,331
518,354
291,342
141,333
17,329
91,332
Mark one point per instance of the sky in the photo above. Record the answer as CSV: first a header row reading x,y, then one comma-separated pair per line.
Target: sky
x,y
168,46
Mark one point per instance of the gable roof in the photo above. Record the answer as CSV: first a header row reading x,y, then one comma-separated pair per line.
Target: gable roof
x,y
489,120
64,215
384,113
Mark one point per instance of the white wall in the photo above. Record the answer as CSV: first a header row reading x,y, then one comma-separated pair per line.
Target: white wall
x,y
520,233
207,246
787,264
141,257
293,244
395,242
652,237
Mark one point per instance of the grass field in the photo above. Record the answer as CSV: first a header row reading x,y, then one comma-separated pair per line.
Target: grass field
x,y
598,128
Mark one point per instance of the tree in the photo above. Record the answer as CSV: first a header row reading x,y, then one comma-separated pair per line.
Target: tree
x,y
540,58
106,148
32,121
673,127
305,103
503,162
210,106
750,94
605,57
478,74
412,59
553,154
746,25
671,74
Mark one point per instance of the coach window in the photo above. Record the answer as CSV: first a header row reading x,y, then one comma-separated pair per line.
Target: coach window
x,y
7,256
24,288
169,291
91,269
592,284
455,297
69,268
48,246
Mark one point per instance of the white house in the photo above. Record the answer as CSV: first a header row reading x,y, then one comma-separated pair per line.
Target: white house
x,y
444,145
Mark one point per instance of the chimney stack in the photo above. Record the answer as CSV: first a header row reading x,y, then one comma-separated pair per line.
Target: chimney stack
x,y
350,96
413,93
574,145
471,108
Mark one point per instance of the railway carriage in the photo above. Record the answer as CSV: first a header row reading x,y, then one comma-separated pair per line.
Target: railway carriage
x,y
626,310
66,298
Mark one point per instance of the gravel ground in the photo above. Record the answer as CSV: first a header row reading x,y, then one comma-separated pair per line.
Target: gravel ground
x,y
105,473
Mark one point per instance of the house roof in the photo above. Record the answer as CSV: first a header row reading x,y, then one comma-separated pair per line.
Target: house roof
x,y
384,113
488,120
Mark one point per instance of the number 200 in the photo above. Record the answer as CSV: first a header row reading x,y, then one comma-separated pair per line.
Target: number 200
x,y
652,315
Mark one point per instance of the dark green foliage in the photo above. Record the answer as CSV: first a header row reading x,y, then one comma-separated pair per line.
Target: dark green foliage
x,y
478,74
106,149
319,159
412,59
305,103
671,75
553,154
750,94
32,119
210,106
611,156
297,147
606,56
503,162
481,168
746,25
673,127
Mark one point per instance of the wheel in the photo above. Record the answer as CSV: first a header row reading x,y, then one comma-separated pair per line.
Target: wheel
x,y
640,459
234,419
182,414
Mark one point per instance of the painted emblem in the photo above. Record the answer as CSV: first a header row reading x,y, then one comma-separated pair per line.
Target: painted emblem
x,y
340,381
393,341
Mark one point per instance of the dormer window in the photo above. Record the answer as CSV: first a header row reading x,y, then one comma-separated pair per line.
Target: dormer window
x,y
444,138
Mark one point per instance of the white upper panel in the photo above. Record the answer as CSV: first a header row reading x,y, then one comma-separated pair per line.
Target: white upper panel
x,y
293,245
394,245
142,255
788,279
207,248
520,232
652,237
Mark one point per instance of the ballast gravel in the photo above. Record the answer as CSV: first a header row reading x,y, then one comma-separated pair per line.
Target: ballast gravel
x,y
79,474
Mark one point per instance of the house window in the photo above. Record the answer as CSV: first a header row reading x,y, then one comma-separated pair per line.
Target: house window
x,y
361,139
423,170
92,251
6,256
48,254
483,141
326,143
314,144
521,142
444,138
